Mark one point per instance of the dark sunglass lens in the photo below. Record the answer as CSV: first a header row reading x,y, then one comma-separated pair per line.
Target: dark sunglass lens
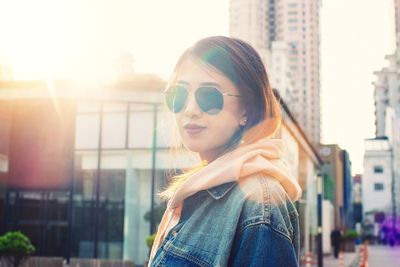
x,y
210,100
176,98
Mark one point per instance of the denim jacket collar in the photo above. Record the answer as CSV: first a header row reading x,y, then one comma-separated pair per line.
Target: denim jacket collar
x,y
219,191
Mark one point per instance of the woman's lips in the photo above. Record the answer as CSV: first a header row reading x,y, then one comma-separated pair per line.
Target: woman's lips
x,y
193,129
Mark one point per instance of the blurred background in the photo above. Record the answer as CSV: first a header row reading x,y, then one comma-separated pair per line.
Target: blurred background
x,y
85,138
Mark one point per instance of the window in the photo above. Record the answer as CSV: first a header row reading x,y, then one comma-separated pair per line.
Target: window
x,y
114,130
378,186
292,45
141,126
378,169
87,131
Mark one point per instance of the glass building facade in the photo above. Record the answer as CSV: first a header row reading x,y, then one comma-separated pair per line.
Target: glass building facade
x,y
78,176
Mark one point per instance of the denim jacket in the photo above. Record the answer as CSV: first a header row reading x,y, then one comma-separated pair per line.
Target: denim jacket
x,y
245,223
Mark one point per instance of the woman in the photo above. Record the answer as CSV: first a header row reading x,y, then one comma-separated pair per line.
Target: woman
x,y
236,209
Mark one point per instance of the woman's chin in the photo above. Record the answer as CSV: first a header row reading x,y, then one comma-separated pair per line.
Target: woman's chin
x,y
196,148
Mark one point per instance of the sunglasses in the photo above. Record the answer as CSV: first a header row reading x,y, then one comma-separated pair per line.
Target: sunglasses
x,y
208,98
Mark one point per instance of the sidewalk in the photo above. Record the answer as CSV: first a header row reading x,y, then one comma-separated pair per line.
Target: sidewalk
x,y
350,260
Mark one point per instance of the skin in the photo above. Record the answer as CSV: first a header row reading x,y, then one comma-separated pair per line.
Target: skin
x,y
219,128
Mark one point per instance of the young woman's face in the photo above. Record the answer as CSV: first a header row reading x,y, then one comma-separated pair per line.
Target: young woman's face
x,y
204,133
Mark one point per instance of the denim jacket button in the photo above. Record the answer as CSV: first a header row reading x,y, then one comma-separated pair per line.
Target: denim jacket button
x,y
174,233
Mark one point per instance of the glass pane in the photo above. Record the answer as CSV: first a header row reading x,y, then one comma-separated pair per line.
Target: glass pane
x,y
111,214
137,204
87,131
141,128
30,206
57,206
114,130
56,239
84,205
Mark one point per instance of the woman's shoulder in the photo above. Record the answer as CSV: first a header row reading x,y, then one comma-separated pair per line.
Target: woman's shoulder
x,y
266,202
264,188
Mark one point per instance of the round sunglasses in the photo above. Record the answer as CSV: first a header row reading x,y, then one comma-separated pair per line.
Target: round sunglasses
x,y
208,98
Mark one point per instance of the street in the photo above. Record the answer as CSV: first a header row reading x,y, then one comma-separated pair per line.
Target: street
x,y
383,256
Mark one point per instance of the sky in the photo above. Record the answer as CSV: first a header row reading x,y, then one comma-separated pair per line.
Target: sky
x,y
80,39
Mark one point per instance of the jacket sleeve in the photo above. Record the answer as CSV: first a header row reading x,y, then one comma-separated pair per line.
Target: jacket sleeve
x,y
259,245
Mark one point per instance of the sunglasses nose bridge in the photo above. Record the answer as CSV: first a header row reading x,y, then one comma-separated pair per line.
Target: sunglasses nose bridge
x,y
191,106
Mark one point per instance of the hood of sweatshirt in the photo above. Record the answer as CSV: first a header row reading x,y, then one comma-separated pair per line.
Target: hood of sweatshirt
x,y
264,156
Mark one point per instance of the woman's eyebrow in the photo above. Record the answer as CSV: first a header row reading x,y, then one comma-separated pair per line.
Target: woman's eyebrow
x,y
210,84
201,84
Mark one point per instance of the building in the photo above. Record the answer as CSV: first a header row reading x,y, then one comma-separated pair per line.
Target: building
x,y
392,123
357,198
387,93
338,183
306,165
387,83
378,176
397,18
79,166
286,33
382,155
348,191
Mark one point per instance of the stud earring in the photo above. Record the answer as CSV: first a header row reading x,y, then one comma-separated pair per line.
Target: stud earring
x,y
244,122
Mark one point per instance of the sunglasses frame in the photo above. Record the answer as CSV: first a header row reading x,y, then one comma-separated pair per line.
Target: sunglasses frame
x,y
197,102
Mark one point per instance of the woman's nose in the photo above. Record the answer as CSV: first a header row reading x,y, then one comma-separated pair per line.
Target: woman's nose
x,y
192,108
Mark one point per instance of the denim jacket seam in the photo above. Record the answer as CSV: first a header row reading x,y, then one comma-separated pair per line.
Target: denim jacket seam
x,y
175,251
263,222
252,222
218,196
293,214
282,233
286,231
266,199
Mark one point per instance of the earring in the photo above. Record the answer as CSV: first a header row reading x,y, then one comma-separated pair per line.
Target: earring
x,y
244,122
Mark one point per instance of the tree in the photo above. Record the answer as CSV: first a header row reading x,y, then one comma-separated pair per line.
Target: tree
x,y
15,248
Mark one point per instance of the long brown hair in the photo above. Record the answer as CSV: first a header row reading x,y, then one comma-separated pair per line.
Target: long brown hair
x,y
241,63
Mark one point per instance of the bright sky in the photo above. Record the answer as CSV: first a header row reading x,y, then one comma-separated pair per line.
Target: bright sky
x,y
80,39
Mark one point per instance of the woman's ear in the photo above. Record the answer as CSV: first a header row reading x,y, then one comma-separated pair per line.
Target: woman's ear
x,y
243,120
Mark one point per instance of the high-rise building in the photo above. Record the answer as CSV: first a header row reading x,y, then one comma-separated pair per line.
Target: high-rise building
x,y
286,34
381,178
387,83
387,91
397,18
